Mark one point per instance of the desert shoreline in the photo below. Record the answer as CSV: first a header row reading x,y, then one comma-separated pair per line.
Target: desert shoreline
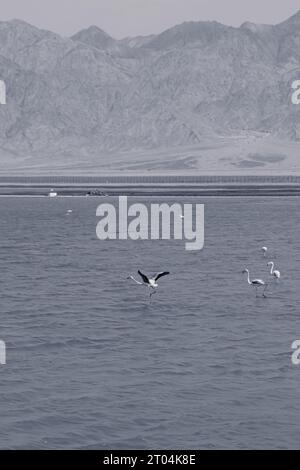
x,y
152,185
154,191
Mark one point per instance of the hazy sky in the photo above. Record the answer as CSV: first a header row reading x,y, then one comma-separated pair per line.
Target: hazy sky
x,y
122,18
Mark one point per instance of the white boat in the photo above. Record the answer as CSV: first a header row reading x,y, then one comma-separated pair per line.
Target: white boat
x,y
52,193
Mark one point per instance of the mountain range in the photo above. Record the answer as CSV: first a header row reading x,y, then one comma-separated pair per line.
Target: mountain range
x,y
91,101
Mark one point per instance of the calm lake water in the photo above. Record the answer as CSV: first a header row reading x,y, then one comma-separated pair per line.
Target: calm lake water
x,y
91,363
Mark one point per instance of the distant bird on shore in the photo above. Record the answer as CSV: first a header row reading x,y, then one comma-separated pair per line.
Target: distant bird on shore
x,y
275,273
257,283
264,250
52,193
69,211
151,283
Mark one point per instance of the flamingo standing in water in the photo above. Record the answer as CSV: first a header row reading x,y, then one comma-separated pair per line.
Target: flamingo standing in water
x,y
264,250
257,283
151,283
273,272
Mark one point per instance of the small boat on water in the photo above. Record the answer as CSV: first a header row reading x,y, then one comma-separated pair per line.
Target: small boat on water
x,y
52,193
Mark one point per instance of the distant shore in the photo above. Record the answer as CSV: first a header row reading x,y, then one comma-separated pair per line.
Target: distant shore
x,y
152,185
157,190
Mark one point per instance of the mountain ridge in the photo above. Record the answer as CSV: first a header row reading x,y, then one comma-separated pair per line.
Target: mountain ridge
x,y
90,94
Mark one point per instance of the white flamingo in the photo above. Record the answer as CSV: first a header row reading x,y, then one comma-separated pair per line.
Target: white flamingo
x,y
273,272
264,250
257,283
151,283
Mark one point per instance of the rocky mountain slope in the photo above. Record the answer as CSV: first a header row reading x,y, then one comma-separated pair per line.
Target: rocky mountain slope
x,y
77,99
